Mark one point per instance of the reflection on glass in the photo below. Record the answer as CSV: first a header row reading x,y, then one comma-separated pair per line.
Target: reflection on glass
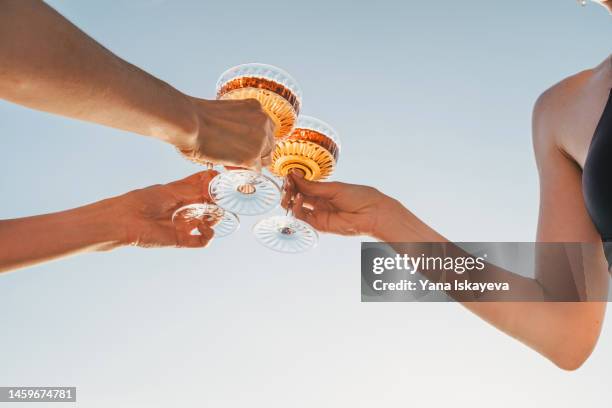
x,y
223,222
312,148
243,191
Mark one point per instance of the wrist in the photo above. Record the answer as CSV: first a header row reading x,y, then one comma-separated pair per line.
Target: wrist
x,y
389,212
183,129
99,225
119,217
395,223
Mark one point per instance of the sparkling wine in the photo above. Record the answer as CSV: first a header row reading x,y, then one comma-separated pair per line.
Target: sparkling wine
x,y
279,102
307,150
313,148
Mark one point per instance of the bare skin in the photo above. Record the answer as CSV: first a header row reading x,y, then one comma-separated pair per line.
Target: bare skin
x,y
139,218
47,63
605,3
564,121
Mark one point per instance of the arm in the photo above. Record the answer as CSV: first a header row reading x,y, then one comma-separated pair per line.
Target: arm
x,y
566,333
47,63
141,218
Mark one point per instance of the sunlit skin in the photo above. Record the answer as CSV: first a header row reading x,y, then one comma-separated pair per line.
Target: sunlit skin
x,y
139,218
564,120
605,3
47,63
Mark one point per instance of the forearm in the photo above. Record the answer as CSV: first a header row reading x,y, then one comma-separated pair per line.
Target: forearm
x,y
28,241
395,223
406,233
47,63
563,332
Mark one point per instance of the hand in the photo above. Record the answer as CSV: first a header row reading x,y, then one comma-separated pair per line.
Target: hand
x,y
339,208
146,214
233,132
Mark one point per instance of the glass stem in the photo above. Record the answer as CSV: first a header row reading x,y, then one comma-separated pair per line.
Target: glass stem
x,y
209,167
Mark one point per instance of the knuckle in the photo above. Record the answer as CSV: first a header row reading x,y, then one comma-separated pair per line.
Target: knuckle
x,y
207,238
252,103
261,119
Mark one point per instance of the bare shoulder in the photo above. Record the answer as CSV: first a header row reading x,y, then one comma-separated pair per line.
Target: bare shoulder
x,y
561,118
561,96
566,114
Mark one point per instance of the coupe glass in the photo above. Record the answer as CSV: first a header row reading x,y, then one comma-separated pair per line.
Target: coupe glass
x,y
225,222
312,148
248,192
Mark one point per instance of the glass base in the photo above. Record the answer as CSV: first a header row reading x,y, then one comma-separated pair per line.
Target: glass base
x,y
226,222
244,192
287,234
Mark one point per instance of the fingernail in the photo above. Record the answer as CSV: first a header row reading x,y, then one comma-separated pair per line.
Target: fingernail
x,y
297,173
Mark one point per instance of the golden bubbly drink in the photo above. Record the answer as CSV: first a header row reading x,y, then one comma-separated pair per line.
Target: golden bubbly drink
x,y
313,148
279,102
307,150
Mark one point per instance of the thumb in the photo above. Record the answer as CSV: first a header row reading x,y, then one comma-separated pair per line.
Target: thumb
x,y
313,188
255,165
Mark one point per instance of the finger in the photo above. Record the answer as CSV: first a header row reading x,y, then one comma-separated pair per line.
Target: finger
x,y
186,239
186,226
270,140
255,165
301,207
195,234
205,178
288,193
193,188
268,146
272,128
245,166
208,175
297,207
286,199
206,234
235,102
313,188
193,179
210,220
266,161
309,203
314,218
252,102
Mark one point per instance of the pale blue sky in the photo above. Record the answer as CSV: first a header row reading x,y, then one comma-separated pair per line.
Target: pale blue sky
x,y
432,101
